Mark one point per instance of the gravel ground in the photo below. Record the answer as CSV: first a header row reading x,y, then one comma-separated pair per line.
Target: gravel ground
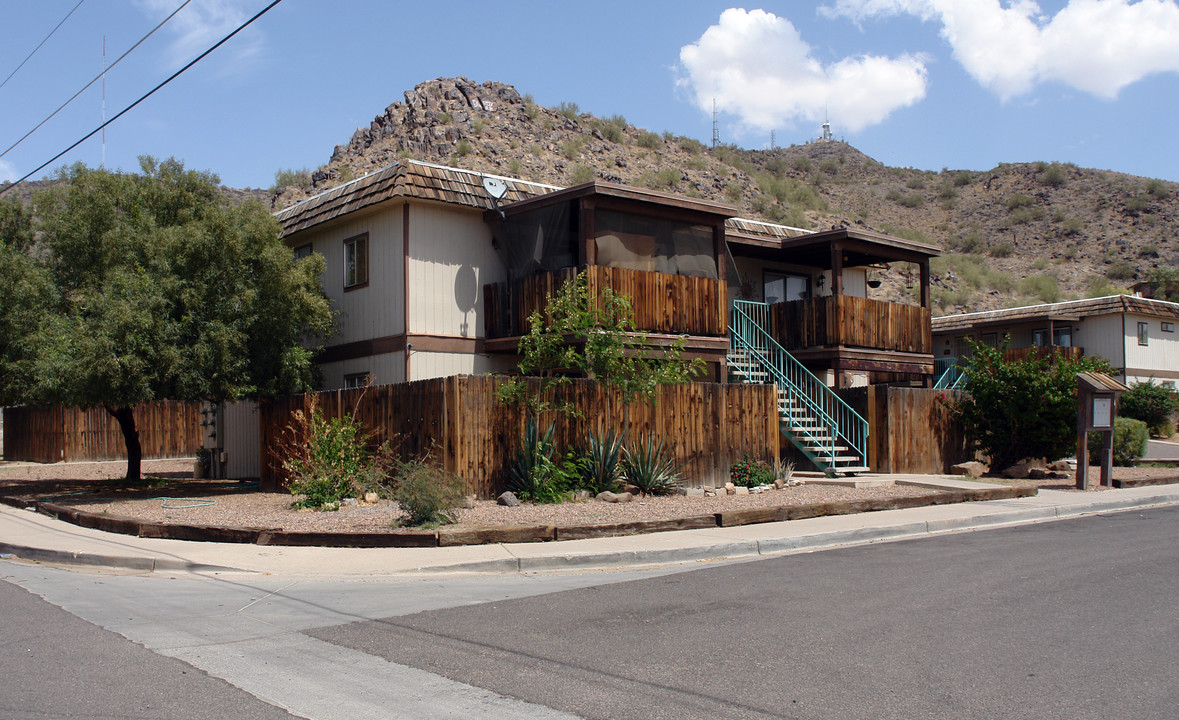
x,y
176,498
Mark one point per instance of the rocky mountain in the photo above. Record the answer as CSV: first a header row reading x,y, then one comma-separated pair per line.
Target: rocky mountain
x,y
1018,234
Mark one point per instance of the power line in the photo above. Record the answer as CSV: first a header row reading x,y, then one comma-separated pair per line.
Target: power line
x,y
22,62
105,69
122,112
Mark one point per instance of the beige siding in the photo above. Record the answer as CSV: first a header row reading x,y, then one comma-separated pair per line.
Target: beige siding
x,y
367,312
1102,336
426,365
385,369
1159,358
451,258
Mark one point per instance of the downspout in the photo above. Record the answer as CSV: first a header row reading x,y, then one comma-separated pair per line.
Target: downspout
x,y
1123,346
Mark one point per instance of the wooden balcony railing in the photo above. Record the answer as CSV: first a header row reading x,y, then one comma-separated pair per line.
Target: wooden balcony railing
x,y
662,303
1052,353
851,322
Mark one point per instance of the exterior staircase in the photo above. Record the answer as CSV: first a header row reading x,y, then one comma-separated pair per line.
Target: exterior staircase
x,y
816,420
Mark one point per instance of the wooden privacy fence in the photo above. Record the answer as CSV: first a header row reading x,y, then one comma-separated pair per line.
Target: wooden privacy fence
x,y
910,429
662,302
707,426
853,322
56,434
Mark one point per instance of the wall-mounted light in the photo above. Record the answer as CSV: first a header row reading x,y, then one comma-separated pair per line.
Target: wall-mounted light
x,y
822,279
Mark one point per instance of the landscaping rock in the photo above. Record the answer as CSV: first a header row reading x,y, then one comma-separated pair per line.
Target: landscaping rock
x,y
624,497
740,490
606,496
371,498
469,502
581,495
1061,466
1016,471
632,489
973,469
509,499
690,492
350,502
1036,474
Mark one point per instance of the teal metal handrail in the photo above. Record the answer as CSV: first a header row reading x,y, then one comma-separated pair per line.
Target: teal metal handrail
x,y
950,379
761,352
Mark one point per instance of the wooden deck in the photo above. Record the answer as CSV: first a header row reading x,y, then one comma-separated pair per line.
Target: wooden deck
x,y
662,303
851,322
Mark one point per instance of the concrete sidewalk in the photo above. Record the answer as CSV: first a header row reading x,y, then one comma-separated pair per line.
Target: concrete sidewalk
x,y
31,536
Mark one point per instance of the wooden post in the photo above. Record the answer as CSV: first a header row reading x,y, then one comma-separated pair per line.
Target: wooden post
x,y
924,265
587,247
836,269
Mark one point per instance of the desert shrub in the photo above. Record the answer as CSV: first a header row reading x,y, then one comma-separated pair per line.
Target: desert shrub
x,y
1042,287
428,494
649,140
751,472
651,468
962,178
1027,408
1129,442
444,118
1137,204
463,148
1120,270
1053,175
1152,404
664,179
514,167
569,109
1071,226
1158,189
478,126
802,165
1148,249
531,110
581,174
291,178
1019,201
329,459
571,148
733,192
830,167
692,146
614,132
1002,250
916,183
601,462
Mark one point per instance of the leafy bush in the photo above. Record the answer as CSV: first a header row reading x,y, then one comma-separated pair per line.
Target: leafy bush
x,y
1019,201
1129,442
582,174
651,469
571,149
802,165
649,140
751,472
1002,250
1013,410
534,471
962,178
329,459
1158,189
428,494
291,178
1053,175
569,110
1044,288
1152,404
601,464
444,118
462,148
1120,270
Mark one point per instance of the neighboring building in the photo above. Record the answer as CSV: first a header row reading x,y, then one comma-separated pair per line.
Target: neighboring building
x,y
1136,335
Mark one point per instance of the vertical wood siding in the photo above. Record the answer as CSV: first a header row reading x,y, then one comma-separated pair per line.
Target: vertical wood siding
x,y
909,429
662,302
706,426
54,434
851,322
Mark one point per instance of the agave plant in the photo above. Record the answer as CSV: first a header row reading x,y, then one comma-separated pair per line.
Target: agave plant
x,y
601,468
532,472
651,469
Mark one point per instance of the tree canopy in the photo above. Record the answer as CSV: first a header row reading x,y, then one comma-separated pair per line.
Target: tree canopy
x,y
157,287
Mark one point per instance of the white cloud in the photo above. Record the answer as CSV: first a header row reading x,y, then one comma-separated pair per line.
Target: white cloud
x,y
1097,46
201,25
757,66
7,172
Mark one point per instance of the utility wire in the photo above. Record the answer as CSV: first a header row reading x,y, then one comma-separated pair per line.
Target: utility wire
x,y
96,79
22,62
124,111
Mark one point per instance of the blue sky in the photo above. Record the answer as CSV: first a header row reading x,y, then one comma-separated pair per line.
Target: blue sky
x,y
963,84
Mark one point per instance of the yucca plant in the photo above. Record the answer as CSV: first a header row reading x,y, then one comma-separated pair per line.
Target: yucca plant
x,y
601,466
651,469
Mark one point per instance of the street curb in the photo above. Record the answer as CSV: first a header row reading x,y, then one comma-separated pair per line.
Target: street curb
x,y
120,562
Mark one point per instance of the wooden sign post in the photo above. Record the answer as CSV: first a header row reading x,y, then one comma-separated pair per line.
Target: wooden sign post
x,y
1097,404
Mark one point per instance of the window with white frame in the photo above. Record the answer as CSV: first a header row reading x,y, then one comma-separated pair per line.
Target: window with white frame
x,y
356,261
1143,333
355,380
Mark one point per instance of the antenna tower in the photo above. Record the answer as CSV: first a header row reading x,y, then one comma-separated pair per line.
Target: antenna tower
x,y
103,164
772,143
715,126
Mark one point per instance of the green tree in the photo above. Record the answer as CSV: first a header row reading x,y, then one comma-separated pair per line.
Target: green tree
x,y
163,289
1021,409
24,293
597,338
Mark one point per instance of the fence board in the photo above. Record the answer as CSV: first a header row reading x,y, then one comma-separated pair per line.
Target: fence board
x,y
707,426
55,434
910,429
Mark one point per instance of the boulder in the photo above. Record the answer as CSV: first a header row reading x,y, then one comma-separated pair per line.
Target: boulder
x,y
973,469
740,490
371,498
1061,466
509,499
1036,474
469,502
1018,470
606,496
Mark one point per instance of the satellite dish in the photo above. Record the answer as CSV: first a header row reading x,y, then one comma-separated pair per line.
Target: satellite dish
x,y
495,187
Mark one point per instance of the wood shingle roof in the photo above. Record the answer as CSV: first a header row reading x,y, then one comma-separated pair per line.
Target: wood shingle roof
x,y
1069,309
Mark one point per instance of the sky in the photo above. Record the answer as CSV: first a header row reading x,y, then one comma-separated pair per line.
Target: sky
x,y
928,84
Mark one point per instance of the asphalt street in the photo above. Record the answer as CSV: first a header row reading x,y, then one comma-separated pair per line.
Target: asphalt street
x,y
1073,619
1067,619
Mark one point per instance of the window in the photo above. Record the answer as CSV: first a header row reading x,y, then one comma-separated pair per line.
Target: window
x,y
779,287
1062,336
1040,338
356,261
1143,333
1168,327
355,380
991,340
303,251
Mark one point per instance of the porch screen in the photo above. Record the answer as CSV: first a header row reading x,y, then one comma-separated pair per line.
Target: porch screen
x,y
537,241
635,242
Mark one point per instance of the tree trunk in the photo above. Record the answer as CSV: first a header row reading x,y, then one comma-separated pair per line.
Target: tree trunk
x,y
125,416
